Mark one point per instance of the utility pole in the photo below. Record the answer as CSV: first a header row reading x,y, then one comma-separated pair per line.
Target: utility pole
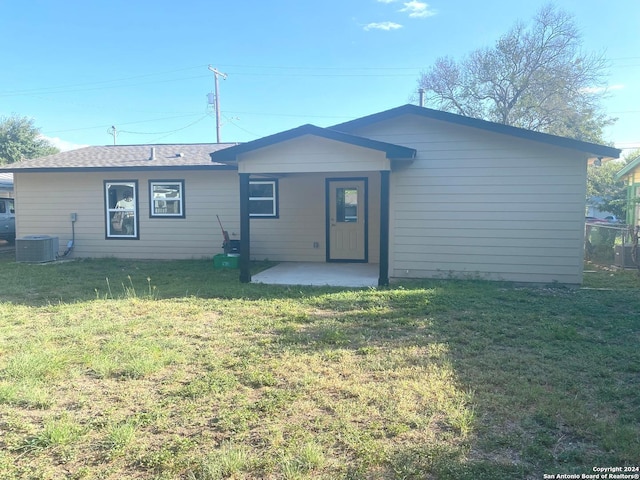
x,y
216,74
113,131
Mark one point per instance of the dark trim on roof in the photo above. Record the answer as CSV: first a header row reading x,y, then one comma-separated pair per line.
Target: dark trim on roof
x,y
391,150
138,168
587,147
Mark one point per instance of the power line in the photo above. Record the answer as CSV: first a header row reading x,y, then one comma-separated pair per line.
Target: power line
x,y
161,133
179,129
100,82
126,123
324,75
315,68
53,90
294,115
346,72
108,84
257,135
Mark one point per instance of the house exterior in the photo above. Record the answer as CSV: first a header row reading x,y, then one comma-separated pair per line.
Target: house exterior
x,y
631,176
177,193
594,213
6,184
419,192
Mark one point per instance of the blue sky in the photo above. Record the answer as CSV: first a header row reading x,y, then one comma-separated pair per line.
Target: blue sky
x,y
79,67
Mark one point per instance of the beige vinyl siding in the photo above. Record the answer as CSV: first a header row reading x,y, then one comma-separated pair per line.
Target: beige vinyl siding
x,y
198,235
302,220
307,154
480,204
302,165
290,237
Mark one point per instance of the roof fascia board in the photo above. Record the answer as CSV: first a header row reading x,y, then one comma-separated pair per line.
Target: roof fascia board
x,y
586,147
628,168
140,168
391,150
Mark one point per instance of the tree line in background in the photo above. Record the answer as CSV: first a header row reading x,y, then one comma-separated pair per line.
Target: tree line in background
x,y
20,139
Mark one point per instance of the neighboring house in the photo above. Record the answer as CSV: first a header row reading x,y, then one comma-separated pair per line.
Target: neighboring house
x,y
6,184
419,192
593,213
631,175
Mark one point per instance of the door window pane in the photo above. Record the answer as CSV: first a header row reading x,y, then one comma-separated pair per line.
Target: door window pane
x,y
347,204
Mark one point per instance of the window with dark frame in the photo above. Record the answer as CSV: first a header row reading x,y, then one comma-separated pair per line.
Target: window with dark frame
x,y
263,198
166,198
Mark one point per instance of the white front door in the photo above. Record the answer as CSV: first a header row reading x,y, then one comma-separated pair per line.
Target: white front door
x,y
347,220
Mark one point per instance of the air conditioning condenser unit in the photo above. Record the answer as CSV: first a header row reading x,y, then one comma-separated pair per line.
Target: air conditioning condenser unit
x,y
624,256
36,249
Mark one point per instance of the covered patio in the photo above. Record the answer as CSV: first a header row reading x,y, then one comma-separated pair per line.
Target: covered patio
x,y
330,199
320,274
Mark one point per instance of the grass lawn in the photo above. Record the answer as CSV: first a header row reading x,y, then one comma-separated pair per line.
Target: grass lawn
x,y
173,370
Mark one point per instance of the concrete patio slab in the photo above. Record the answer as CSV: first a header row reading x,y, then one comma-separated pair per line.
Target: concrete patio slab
x,y
320,274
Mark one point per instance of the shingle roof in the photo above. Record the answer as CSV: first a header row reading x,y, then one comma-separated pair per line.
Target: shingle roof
x,y
586,147
391,150
116,157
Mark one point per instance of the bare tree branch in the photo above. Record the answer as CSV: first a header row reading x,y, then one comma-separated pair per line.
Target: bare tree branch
x,y
535,77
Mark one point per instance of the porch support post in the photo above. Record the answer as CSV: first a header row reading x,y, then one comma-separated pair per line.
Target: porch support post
x,y
383,278
245,254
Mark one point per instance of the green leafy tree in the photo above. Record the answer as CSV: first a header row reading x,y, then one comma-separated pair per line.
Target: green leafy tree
x,y
20,139
534,77
604,190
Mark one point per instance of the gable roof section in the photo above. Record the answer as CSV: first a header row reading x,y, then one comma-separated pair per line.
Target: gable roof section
x,y
629,168
127,157
586,147
391,150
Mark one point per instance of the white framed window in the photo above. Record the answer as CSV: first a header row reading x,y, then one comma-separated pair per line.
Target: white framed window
x,y
263,198
121,209
166,198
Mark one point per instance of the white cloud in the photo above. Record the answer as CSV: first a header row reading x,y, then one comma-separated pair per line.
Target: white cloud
x,y
62,145
414,8
382,26
601,89
418,9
